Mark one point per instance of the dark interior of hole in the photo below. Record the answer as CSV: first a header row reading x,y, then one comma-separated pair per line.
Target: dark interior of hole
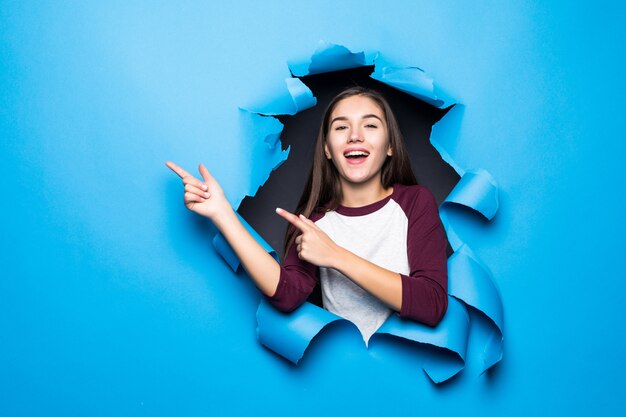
x,y
284,186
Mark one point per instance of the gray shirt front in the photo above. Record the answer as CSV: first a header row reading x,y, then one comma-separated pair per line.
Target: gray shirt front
x,y
380,236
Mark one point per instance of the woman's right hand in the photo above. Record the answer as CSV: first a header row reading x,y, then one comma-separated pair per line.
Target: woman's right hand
x,y
207,198
203,197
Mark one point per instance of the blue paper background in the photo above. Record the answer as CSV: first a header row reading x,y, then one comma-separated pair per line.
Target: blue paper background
x,y
113,300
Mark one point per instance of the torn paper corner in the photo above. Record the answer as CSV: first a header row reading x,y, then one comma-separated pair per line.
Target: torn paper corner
x,y
445,133
294,99
330,57
411,80
301,95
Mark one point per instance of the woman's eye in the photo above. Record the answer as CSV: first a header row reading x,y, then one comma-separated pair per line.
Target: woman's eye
x,y
341,127
371,126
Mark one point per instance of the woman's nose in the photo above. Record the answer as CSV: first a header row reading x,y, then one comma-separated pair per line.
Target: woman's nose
x,y
355,136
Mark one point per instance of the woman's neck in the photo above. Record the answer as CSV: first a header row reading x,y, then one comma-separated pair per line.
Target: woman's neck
x,y
359,195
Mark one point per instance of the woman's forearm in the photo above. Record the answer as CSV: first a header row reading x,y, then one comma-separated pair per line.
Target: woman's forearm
x,y
425,300
378,281
260,265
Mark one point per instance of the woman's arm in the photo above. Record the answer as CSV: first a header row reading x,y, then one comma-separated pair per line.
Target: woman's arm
x,y
421,295
207,199
314,246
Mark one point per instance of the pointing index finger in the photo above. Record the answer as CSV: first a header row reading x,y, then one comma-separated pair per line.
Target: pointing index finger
x,y
292,218
178,170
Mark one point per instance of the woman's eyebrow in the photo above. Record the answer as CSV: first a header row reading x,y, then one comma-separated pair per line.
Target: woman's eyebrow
x,y
367,116
344,118
339,118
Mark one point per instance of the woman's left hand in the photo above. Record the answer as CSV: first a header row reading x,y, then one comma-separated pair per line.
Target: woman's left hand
x,y
313,245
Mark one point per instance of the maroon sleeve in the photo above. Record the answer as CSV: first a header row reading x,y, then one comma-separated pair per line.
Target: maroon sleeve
x,y
298,278
425,289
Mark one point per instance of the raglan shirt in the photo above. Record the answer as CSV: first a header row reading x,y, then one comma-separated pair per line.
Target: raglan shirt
x,y
402,233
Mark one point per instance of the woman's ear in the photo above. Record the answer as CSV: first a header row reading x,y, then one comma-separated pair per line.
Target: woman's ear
x,y
389,151
327,152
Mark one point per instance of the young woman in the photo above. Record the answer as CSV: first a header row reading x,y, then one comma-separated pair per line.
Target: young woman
x,y
363,229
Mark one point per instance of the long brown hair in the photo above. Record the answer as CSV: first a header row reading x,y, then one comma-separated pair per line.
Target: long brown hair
x,y
323,188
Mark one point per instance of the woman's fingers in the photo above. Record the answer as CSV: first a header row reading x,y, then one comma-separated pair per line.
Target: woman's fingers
x,y
178,170
200,192
293,219
204,198
193,198
308,221
195,182
186,177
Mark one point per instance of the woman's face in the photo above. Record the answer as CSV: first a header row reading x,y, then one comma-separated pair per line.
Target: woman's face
x,y
357,140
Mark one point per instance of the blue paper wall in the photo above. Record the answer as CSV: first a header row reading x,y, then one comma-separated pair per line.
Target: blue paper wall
x,y
113,301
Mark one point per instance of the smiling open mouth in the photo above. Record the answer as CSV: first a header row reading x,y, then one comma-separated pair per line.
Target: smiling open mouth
x,y
356,155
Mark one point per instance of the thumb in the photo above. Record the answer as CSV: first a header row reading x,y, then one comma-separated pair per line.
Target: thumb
x,y
205,173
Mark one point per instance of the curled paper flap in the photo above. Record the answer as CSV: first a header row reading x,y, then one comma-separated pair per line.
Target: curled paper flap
x,y
450,336
445,133
467,276
471,282
301,95
478,190
411,80
289,334
328,57
296,98
468,279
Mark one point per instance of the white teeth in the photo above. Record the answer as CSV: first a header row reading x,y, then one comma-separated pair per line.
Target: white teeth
x,y
356,153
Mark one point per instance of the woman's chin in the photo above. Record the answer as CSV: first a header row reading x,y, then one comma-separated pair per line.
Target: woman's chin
x,y
358,179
